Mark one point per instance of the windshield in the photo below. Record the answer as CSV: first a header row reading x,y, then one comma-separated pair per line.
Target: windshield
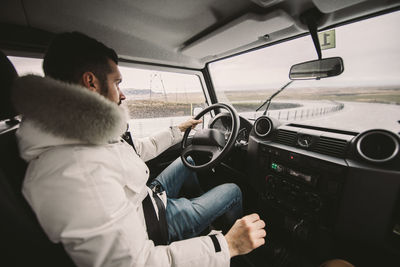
x,y
366,95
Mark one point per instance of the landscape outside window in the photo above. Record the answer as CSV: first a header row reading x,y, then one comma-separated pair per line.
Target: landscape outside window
x,y
159,99
366,95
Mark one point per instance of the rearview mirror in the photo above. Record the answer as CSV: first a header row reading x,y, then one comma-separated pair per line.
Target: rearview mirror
x,y
317,69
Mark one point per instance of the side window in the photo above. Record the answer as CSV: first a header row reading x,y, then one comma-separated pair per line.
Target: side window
x,y
159,99
26,65
155,100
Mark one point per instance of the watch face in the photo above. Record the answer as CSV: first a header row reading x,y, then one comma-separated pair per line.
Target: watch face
x,y
304,140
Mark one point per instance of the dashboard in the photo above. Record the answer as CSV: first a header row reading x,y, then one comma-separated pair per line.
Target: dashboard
x,y
223,122
329,191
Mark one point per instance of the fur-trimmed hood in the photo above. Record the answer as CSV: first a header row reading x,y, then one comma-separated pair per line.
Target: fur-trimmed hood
x,y
66,112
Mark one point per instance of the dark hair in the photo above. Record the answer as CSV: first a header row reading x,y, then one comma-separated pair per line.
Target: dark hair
x,y
71,54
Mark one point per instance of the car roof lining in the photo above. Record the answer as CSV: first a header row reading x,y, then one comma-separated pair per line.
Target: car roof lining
x,y
183,33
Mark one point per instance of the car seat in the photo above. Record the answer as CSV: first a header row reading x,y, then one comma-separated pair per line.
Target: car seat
x,y
23,242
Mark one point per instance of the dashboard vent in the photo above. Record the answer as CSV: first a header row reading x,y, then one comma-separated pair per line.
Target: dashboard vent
x,y
286,137
330,146
378,146
263,126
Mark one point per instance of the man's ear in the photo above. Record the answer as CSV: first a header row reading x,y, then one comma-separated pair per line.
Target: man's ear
x,y
90,81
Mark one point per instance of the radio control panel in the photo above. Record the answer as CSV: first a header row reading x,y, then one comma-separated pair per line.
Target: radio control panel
x,y
299,187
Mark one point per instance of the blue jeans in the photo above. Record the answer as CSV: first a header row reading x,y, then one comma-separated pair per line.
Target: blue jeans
x,y
187,218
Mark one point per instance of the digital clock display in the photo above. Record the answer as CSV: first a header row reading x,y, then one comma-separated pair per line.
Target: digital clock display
x,y
288,171
303,176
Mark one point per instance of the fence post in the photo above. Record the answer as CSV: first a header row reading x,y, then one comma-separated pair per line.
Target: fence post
x,y
279,115
295,114
287,117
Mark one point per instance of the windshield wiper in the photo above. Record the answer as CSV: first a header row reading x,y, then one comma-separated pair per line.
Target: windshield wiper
x,y
268,101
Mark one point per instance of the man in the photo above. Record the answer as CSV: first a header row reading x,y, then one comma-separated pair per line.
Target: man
x,y
88,187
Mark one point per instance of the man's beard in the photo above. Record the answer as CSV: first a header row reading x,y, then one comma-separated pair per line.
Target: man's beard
x,y
104,91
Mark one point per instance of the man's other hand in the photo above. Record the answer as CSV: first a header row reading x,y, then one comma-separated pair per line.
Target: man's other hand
x,y
245,235
189,123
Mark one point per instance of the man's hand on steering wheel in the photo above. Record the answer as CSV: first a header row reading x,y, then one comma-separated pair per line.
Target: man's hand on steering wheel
x,y
191,123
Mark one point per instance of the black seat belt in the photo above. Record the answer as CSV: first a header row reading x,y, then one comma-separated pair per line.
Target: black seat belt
x,y
157,229
128,138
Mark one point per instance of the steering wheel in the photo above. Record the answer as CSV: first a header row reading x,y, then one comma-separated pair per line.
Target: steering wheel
x,y
210,141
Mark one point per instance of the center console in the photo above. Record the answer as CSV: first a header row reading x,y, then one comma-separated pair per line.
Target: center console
x,y
298,195
302,190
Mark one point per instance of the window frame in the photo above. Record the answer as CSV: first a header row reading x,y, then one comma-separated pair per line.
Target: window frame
x,y
171,69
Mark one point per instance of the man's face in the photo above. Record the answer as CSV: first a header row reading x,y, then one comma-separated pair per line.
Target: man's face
x,y
114,78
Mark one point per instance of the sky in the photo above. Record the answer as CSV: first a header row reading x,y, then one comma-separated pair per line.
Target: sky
x,y
370,50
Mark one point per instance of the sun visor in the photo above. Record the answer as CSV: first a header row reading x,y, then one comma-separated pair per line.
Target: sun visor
x,y
239,32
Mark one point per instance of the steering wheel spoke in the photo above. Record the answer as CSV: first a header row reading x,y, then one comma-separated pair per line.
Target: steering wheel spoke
x,y
211,151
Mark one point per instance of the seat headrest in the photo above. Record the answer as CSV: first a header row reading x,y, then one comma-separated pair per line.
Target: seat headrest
x,y
8,75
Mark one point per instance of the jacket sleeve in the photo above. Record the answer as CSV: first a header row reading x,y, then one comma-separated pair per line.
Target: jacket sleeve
x,y
150,147
122,243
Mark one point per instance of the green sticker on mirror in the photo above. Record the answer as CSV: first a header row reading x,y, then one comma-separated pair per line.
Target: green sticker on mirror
x,y
327,39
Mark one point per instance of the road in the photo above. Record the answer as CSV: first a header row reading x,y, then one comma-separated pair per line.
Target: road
x,y
361,116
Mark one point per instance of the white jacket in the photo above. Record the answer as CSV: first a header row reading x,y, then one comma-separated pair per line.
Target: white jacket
x,y
86,186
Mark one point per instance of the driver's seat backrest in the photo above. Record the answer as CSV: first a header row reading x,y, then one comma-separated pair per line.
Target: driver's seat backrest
x,y
22,240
